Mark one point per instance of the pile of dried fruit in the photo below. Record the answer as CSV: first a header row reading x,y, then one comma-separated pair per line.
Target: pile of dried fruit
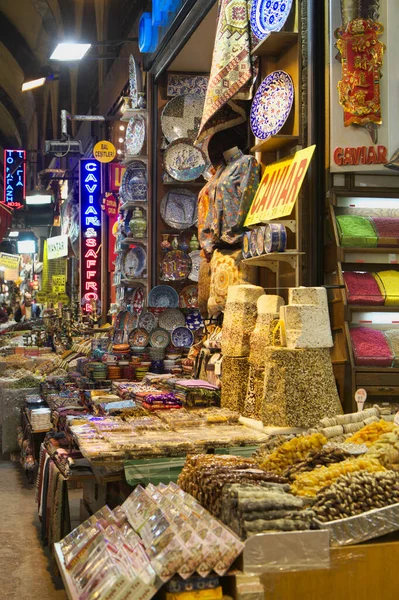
x,y
292,452
317,458
356,493
370,434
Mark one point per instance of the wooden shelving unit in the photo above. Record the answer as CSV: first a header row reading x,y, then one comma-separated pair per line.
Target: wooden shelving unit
x,y
276,44
276,142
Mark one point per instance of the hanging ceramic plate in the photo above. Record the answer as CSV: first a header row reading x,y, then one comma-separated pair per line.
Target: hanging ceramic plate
x,y
179,209
188,297
130,322
183,161
139,338
138,299
272,104
182,337
133,80
269,15
171,318
134,262
135,136
159,338
181,117
195,257
148,321
175,266
134,182
163,296
194,320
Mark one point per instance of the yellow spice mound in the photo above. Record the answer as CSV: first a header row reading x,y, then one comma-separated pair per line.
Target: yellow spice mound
x,y
292,452
309,484
370,433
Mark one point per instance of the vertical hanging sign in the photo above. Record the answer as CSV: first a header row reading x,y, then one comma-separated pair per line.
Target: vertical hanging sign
x,y
90,234
14,178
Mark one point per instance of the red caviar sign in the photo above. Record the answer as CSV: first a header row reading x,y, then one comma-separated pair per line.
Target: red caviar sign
x,y
279,188
362,155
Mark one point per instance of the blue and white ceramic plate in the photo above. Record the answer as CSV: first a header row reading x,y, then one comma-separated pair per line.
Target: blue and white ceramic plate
x,y
181,117
135,136
268,16
134,262
194,320
171,318
195,265
272,104
163,296
184,161
148,321
182,337
133,80
134,183
159,338
179,209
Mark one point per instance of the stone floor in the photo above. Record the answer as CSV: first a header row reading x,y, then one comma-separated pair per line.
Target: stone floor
x,y
24,564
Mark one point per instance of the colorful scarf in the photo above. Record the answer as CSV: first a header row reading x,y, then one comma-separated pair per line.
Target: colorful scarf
x,y
232,72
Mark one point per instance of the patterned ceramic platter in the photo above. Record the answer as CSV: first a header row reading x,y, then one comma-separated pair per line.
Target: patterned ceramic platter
x,y
181,117
148,321
139,338
138,299
134,262
182,337
179,209
272,104
159,338
269,15
184,161
171,318
178,85
194,320
188,297
163,296
131,322
133,80
135,136
134,182
175,266
195,265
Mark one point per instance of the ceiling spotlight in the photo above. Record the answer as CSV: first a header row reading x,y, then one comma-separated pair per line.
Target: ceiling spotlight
x,y
121,140
121,128
119,151
70,51
13,234
33,83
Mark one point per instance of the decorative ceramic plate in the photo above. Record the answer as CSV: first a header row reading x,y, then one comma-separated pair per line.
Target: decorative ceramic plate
x,y
138,299
133,80
135,136
139,338
134,182
188,297
159,338
179,209
163,296
182,337
178,85
194,320
134,262
195,265
171,318
272,104
184,161
175,266
131,322
181,117
269,15
148,321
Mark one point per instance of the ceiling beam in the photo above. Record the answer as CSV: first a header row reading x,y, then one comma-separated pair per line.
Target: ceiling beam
x,y
17,46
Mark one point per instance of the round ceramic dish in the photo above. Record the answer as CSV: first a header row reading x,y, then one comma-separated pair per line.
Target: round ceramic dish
x,y
134,182
135,136
195,257
134,262
139,338
194,320
175,266
181,117
183,161
148,321
188,297
159,338
268,15
171,318
179,209
182,337
163,296
272,104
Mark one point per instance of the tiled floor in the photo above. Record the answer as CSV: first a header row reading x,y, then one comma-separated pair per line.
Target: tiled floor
x,y
24,564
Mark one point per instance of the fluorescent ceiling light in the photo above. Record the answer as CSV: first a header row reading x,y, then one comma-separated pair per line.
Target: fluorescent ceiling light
x,y
69,51
39,199
34,83
13,234
26,247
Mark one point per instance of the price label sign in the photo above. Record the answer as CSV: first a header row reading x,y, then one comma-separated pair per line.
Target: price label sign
x,y
58,284
360,397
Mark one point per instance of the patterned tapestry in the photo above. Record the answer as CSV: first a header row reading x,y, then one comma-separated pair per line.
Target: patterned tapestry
x,y
232,72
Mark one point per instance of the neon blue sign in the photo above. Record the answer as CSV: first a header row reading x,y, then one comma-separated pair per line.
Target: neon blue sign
x,y
153,25
90,234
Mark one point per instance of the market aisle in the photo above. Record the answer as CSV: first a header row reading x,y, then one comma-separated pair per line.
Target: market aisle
x,y
24,566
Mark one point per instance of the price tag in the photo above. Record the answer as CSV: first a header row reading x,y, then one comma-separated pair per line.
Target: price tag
x,y
360,397
218,367
393,259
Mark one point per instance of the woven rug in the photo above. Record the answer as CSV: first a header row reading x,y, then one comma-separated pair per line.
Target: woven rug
x,y
232,73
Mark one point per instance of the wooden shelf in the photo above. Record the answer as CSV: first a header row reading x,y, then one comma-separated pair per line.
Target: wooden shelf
x,y
131,112
371,308
129,240
131,205
376,369
389,256
129,159
276,142
276,43
267,260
